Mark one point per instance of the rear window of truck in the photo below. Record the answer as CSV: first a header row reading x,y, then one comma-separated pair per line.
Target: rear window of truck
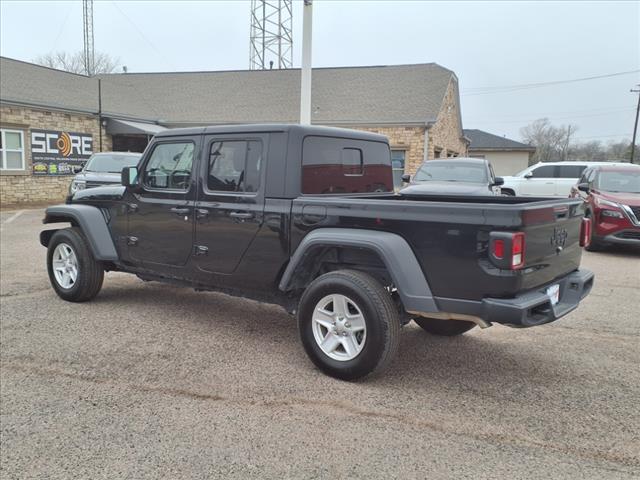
x,y
341,166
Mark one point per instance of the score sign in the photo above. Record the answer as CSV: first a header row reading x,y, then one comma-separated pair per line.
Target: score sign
x,y
55,152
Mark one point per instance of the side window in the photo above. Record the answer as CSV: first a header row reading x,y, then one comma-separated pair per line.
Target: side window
x,y
583,177
234,166
570,171
169,166
333,165
546,171
397,162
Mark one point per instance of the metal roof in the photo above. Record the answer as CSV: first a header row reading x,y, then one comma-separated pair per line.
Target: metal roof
x,y
376,95
481,140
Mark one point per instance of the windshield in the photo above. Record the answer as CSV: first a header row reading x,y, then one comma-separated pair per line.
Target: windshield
x,y
451,172
111,163
623,182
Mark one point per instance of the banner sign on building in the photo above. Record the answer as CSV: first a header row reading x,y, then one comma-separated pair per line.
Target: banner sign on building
x,y
59,153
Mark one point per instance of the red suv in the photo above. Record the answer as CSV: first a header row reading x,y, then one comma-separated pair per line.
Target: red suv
x,y
612,197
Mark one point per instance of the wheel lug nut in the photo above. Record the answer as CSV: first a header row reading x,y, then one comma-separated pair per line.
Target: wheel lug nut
x,y
344,334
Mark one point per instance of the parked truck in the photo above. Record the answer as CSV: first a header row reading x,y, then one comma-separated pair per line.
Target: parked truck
x,y
306,217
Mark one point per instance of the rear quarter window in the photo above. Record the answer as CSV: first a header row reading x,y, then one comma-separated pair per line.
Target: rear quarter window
x,y
341,166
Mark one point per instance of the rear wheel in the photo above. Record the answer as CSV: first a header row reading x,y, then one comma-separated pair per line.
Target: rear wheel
x,y
73,272
348,324
446,328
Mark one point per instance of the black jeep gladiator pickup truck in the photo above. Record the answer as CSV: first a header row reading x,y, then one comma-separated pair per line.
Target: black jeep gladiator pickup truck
x,y
306,217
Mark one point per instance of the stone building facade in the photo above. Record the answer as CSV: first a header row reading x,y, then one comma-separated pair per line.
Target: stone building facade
x,y
416,106
20,186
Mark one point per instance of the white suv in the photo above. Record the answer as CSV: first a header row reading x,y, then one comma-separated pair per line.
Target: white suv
x,y
547,179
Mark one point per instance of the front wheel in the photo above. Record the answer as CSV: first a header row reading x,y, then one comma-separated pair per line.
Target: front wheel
x,y
73,272
445,328
348,324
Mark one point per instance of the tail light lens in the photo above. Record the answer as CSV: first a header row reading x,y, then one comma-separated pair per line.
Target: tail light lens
x,y
507,249
585,232
517,251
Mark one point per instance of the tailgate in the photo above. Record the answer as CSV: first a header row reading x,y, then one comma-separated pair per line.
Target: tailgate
x,y
552,241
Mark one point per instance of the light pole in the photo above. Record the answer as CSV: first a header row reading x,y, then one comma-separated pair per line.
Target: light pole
x,y
305,73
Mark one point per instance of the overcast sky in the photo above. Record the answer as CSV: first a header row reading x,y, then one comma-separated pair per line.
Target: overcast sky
x,y
487,44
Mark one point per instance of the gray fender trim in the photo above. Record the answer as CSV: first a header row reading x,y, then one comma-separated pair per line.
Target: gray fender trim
x,y
394,251
93,225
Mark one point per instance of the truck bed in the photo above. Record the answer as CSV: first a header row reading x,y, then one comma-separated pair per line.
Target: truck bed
x,y
450,236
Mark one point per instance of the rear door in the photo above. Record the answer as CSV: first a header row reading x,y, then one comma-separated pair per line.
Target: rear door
x,y
230,206
541,183
568,175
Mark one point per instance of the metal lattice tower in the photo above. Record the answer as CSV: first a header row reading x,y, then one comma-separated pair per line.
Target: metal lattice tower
x,y
89,52
270,36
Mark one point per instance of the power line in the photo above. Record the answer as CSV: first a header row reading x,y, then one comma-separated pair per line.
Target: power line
x,y
527,86
144,37
551,116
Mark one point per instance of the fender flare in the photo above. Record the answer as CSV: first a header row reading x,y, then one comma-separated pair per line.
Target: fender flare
x,y
392,249
92,223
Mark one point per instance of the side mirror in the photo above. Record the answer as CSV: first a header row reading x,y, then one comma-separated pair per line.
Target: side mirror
x,y
498,181
406,178
528,175
77,168
129,176
583,187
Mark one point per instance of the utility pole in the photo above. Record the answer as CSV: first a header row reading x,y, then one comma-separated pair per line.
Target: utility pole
x,y
635,126
305,73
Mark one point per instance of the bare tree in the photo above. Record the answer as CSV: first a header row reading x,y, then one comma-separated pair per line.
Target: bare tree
x,y
74,62
551,142
618,151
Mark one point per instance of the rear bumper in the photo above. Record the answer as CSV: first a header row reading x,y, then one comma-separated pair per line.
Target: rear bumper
x,y
526,309
535,308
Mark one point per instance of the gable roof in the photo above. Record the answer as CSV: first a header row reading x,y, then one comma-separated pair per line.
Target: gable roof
x,y
398,94
481,140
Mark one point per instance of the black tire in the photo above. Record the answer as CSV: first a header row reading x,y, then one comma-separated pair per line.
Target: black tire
x,y
445,328
90,272
380,317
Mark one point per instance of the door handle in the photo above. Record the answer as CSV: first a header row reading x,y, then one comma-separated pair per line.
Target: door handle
x,y
201,213
180,211
241,215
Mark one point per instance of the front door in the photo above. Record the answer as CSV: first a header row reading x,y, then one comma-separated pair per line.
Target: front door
x,y
161,215
230,206
541,183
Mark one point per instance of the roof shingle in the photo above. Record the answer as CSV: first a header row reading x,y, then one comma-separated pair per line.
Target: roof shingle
x,y
399,94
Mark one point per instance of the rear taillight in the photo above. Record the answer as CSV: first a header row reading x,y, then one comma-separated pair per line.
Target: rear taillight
x,y
517,251
507,249
585,232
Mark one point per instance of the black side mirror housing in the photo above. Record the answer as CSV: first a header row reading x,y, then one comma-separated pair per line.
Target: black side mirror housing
x,y
406,178
583,187
498,181
129,176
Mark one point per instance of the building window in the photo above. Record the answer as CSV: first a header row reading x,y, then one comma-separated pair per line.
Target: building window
x,y
397,162
11,150
437,152
451,154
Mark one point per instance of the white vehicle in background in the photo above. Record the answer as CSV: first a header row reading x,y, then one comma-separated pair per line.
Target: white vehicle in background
x,y
547,179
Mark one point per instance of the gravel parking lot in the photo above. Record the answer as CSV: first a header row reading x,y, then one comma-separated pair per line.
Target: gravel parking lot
x,y
154,381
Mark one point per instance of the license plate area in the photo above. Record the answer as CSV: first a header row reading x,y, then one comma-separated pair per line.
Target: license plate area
x,y
553,292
